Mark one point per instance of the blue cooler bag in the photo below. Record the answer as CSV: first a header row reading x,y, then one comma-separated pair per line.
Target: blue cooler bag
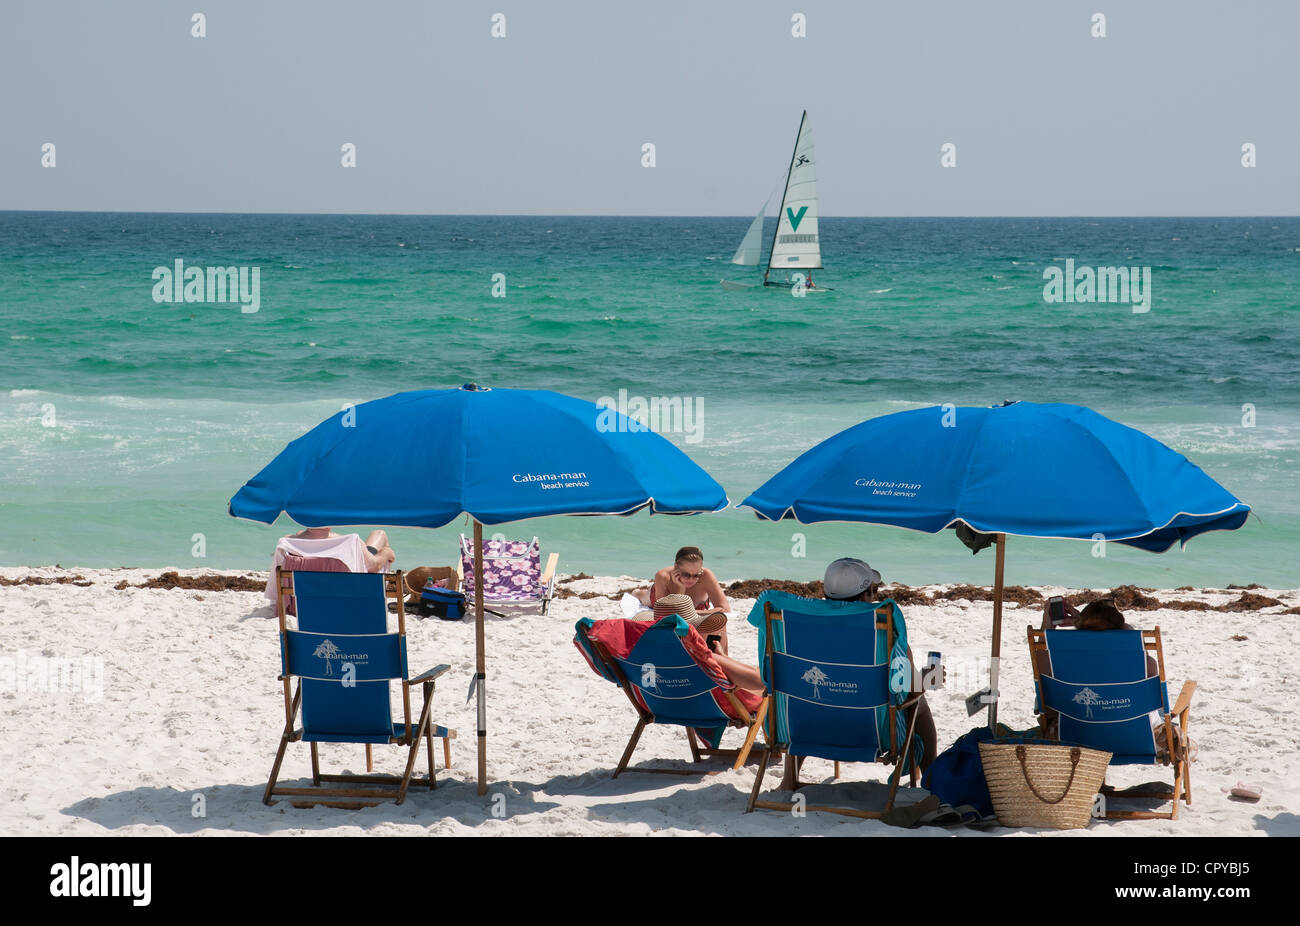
x,y
443,603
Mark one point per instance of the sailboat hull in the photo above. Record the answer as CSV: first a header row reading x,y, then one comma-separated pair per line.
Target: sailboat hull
x,y
786,284
734,287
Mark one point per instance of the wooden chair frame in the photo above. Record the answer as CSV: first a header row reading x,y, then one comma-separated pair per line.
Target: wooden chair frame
x,y
884,621
1182,787
355,798
750,723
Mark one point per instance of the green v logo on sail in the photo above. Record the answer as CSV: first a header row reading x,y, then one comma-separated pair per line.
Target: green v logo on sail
x,y
795,217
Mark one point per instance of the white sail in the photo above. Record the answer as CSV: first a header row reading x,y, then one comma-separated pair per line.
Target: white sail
x,y
752,246
796,245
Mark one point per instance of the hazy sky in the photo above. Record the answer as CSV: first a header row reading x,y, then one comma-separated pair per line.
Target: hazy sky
x,y
551,119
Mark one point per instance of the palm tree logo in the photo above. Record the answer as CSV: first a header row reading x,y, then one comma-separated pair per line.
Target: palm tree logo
x,y
1087,697
815,677
327,651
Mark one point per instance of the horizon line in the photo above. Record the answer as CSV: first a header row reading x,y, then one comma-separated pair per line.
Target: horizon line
x,y
611,215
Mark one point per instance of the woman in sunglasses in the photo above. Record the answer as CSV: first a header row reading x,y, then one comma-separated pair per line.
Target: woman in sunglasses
x,y
688,576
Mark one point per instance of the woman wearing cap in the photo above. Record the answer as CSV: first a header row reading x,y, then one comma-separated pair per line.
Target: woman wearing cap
x,y
688,576
738,673
850,579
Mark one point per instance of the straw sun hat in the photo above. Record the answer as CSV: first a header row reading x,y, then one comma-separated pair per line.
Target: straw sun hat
x,y
683,607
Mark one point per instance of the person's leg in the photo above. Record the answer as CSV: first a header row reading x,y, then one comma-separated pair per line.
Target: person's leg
x,y
924,719
642,595
790,780
929,736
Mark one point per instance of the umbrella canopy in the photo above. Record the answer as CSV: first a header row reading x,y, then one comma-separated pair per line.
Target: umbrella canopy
x,y
421,459
1032,470
1059,471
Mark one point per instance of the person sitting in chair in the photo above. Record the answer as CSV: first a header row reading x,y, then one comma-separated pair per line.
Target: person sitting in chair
x,y
1096,615
688,576
379,555
321,543
738,673
850,579
1101,614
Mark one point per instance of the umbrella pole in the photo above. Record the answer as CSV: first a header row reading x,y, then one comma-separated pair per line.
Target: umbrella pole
x,y
480,666
1000,551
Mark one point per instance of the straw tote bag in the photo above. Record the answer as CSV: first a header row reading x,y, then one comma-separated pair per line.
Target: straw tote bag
x,y
1043,785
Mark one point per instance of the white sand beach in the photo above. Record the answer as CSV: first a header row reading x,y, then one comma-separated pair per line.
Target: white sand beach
x,y
150,711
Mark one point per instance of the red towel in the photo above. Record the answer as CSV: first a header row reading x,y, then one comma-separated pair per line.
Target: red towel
x,y
619,635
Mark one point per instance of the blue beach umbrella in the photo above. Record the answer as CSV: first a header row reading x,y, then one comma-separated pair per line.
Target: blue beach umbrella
x,y
1031,470
422,459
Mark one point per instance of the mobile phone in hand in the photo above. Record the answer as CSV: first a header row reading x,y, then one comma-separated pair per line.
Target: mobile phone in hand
x,y
1055,611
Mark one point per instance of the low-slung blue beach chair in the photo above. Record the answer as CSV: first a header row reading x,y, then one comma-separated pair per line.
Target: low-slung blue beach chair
x,y
1097,684
839,674
345,658
667,672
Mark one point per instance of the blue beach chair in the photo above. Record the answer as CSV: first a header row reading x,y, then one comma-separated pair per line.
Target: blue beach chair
x,y
839,674
1097,684
666,672
344,659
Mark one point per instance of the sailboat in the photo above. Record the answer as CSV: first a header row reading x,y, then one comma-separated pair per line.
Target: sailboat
x,y
796,246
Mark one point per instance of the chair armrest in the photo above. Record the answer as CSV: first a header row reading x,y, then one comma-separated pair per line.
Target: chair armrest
x,y
548,574
1184,698
430,675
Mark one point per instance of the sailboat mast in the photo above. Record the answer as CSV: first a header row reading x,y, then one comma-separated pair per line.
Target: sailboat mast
x,y
781,211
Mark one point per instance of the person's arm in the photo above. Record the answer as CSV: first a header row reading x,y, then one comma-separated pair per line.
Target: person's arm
x,y
1070,615
718,603
740,674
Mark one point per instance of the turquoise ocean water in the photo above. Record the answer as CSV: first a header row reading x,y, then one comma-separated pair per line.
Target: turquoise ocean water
x,y
127,424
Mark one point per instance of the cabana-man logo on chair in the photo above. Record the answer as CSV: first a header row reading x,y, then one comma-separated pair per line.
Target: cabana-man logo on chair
x,y
656,682
327,651
815,677
819,679
1087,697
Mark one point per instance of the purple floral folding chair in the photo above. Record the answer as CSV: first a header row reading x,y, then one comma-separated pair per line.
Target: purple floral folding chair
x,y
513,580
